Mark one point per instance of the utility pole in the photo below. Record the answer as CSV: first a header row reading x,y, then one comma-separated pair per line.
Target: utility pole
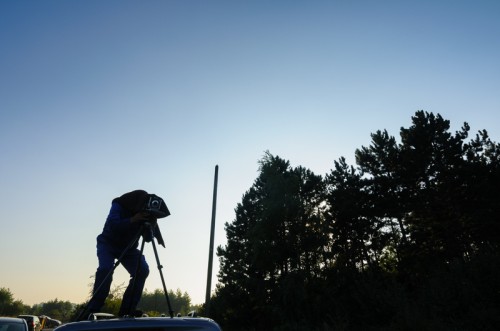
x,y
211,248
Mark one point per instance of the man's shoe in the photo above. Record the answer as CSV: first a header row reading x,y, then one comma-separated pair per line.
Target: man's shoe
x,y
138,313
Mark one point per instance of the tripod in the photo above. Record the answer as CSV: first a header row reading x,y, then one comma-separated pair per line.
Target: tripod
x,y
146,231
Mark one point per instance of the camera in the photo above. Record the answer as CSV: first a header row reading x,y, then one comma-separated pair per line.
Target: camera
x,y
156,206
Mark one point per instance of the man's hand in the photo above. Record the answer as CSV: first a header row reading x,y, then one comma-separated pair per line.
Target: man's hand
x,y
142,216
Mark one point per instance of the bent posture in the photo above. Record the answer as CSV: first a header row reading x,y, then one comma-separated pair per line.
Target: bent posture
x,y
122,226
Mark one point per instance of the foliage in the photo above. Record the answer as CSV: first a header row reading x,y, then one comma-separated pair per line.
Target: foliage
x,y
155,303
114,300
9,306
56,309
274,242
406,239
152,303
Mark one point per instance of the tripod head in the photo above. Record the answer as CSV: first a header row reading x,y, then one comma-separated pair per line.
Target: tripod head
x,y
153,208
150,230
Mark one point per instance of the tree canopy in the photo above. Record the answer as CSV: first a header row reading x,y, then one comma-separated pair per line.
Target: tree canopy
x,y
408,238
8,305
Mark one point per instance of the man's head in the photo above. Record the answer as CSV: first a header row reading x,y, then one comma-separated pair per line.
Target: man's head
x,y
132,201
142,201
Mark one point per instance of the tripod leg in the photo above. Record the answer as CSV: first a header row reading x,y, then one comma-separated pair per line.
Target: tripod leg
x,y
160,267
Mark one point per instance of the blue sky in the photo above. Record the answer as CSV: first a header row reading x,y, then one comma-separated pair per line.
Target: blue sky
x,y
98,98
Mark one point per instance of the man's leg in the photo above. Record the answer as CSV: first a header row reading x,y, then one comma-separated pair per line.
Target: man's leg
x,y
102,282
133,293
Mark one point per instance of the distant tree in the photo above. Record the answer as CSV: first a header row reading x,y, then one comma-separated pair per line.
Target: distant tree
x,y
155,303
60,310
114,300
111,304
8,305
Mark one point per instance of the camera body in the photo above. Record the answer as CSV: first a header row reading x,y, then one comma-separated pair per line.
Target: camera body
x,y
156,206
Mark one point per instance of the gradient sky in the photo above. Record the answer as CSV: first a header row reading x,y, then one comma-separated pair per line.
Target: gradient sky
x,y
98,98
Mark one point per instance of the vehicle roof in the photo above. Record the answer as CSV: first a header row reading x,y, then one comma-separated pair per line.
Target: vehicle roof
x,y
178,323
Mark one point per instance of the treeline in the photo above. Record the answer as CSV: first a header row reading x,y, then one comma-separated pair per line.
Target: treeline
x,y
407,239
10,306
155,303
56,309
152,303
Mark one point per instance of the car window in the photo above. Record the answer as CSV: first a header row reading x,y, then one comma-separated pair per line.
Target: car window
x,y
12,327
16,327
